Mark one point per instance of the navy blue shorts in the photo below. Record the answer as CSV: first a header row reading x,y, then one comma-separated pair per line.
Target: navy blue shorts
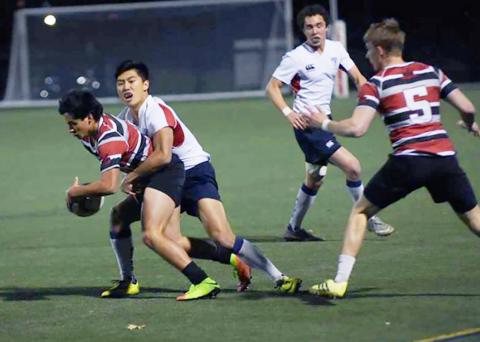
x,y
317,145
442,176
200,182
169,180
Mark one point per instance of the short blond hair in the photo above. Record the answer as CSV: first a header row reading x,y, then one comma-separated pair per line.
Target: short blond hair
x,y
386,34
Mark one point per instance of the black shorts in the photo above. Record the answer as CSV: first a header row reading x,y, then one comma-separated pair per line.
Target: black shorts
x,y
200,182
442,176
169,180
317,145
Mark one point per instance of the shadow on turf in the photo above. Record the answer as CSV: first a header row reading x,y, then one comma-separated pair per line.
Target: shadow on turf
x,y
33,294
279,238
366,293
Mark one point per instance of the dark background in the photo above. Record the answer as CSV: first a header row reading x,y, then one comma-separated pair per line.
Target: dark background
x,y
445,35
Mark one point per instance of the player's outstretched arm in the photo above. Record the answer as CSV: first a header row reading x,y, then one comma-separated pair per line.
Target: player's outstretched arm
x,y
354,127
274,92
108,184
467,111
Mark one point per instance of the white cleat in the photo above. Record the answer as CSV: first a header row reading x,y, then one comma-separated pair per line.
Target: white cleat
x,y
380,228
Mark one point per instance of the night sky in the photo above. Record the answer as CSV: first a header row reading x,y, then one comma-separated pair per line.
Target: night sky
x,y
445,35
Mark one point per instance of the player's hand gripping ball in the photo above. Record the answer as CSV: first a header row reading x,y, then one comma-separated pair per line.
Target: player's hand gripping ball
x,y
84,206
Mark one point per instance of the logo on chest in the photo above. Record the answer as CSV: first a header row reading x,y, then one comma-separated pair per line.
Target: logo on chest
x,y
310,67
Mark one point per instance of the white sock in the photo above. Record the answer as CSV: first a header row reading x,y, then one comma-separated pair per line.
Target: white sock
x,y
344,268
305,199
253,257
355,188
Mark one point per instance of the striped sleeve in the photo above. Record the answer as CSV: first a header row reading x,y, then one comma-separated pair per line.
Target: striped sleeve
x,y
111,147
368,96
446,85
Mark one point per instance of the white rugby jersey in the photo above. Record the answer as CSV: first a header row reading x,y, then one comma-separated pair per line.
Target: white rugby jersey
x,y
311,74
155,114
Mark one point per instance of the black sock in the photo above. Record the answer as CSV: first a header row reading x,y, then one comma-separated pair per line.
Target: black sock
x,y
194,273
209,250
223,254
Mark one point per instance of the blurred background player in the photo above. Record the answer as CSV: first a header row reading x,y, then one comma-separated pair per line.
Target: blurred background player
x,y
310,70
120,147
200,196
407,96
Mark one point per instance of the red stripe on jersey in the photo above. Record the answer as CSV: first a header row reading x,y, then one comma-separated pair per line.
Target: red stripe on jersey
x,y
392,102
413,130
368,89
295,83
403,69
110,147
178,135
113,148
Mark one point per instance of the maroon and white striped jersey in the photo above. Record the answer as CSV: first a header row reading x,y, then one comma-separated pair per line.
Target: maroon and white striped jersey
x,y
118,144
408,98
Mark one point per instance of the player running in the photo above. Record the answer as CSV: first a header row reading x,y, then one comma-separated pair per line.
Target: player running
x,y
407,95
310,70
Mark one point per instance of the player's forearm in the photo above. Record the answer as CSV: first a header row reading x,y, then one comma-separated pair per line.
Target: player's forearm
x,y
274,93
357,77
153,163
345,128
98,188
463,104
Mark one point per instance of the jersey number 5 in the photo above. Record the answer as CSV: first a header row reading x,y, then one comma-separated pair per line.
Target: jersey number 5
x,y
423,111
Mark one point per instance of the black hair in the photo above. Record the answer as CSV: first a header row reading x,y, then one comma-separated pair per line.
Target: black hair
x,y
310,11
129,64
79,104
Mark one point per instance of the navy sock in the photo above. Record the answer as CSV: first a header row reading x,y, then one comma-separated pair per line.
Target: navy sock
x,y
237,245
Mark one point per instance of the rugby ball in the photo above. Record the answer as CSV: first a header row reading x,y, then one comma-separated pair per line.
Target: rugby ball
x,y
84,206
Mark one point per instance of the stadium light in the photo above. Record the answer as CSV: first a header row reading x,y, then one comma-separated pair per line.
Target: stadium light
x,y
50,20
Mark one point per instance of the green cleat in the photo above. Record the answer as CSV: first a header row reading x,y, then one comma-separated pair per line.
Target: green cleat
x,y
242,272
208,288
121,289
329,289
288,285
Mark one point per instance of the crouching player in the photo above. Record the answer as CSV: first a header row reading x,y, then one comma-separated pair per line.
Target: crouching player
x,y
120,146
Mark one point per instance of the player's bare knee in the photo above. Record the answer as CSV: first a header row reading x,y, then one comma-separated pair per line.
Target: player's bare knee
x,y
148,239
352,170
147,242
222,237
353,173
